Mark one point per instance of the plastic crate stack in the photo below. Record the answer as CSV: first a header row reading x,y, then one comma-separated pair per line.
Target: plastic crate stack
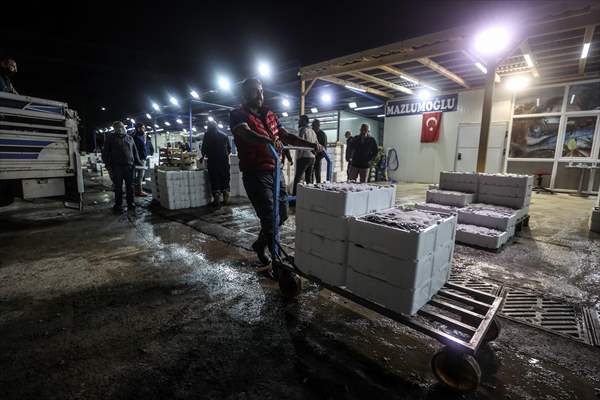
x,y
235,177
488,206
400,257
322,212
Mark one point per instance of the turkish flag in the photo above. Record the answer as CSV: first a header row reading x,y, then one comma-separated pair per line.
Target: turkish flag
x,y
430,128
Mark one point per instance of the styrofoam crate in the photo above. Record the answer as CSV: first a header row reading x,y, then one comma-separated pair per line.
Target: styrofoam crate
x,y
508,191
512,202
459,181
334,251
328,272
441,208
510,180
311,197
334,228
405,301
399,243
481,236
450,198
489,216
402,273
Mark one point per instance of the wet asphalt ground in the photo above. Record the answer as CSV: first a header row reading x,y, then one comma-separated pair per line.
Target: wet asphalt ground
x,y
104,306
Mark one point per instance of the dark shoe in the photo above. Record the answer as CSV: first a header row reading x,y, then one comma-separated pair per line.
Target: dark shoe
x,y
117,210
131,207
260,250
225,198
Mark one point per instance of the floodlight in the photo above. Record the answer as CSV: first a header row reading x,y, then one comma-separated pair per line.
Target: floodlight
x,y
492,40
167,123
285,102
365,108
223,83
352,105
156,125
148,116
517,82
264,69
156,106
132,120
424,94
380,115
481,67
326,98
220,125
528,60
103,108
194,94
314,110
173,101
285,114
193,129
179,121
585,50
210,118
355,88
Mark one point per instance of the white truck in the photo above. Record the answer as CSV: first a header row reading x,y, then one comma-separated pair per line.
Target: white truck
x,y
39,149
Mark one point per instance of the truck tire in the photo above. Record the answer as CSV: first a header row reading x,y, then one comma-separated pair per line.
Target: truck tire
x,y
7,195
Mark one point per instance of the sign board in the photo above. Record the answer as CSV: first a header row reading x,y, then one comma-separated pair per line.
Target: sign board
x,y
443,103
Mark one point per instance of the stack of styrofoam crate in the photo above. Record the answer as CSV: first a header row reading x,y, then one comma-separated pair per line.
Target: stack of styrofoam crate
x,y
155,185
510,190
199,188
595,220
174,189
236,184
486,225
455,189
321,224
400,257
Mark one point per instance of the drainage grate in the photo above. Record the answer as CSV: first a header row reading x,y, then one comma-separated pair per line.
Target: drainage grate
x,y
476,284
549,314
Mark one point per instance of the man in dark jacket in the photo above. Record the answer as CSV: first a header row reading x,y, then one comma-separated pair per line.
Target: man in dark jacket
x,y
8,69
322,139
144,149
120,156
216,148
364,149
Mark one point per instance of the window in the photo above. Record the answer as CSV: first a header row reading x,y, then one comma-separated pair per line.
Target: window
x,y
579,136
534,137
584,97
538,101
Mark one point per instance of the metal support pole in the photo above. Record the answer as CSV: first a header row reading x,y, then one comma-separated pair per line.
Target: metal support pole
x,y
191,126
302,98
486,116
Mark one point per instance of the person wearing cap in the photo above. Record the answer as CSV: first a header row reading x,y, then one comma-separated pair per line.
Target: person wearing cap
x,y
144,149
255,128
322,139
120,157
216,148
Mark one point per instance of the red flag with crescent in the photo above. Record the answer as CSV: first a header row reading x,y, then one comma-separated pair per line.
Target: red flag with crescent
x,y
430,129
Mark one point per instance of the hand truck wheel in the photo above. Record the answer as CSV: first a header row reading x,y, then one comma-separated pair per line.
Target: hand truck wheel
x,y
493,331
289,283
459,372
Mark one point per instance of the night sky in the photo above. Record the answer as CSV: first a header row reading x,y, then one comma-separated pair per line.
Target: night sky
x,y
122,54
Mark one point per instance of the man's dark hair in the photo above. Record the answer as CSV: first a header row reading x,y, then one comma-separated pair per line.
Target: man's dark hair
x,y
250,82
316,121
303,120
138,125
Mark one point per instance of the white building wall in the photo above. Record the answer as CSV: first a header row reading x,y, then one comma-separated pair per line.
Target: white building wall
x,y
422,162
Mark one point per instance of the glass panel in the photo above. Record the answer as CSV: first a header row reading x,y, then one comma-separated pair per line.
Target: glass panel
x,y
534,137
584,97
537,101
579,136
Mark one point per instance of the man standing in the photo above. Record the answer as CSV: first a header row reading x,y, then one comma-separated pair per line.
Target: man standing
x,y
120,156
348,136
305,159
8,69
144,149
255,127
216,148
364,149
322,139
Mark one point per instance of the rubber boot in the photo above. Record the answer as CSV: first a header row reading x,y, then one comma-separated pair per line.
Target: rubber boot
x,y
216,202
225,198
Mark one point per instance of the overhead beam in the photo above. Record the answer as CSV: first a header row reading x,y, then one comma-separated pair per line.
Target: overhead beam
x,y
443,71
407,55
587,38
343,82
310,85
407,77
381,82
526,50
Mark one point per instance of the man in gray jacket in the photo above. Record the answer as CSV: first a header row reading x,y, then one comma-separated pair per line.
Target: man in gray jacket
x,y
305,159
121,156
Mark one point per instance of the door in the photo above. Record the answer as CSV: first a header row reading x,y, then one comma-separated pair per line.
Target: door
x,y
468,145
